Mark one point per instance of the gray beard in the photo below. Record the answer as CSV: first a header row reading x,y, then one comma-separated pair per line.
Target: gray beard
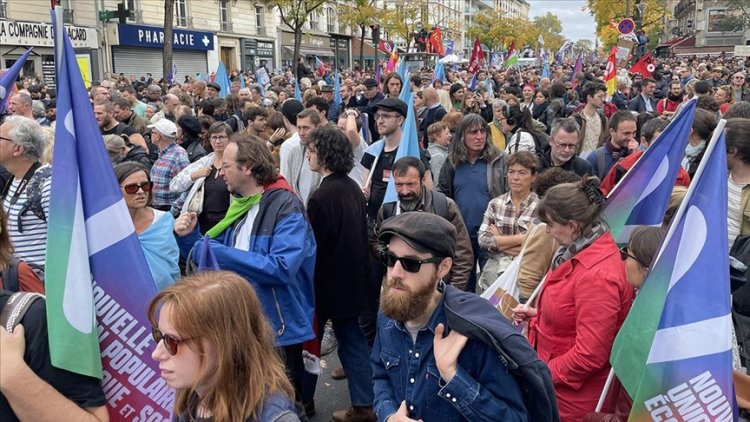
x,y
409,205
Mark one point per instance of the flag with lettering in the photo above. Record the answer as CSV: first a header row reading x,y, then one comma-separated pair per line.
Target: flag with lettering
x,y
97,279
8,80
673,354
642,195
222,78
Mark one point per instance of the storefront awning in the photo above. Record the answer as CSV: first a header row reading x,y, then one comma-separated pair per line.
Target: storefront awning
x,y
686,41
321,52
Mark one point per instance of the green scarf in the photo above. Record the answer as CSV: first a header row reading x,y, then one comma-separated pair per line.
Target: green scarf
x,y
238,207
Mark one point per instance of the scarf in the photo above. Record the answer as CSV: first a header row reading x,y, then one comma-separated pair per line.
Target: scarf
x,y
238,207
691,154
564,253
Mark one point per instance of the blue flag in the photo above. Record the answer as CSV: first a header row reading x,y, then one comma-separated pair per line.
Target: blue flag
x,y
201,77
222,78
439,72
9,79
405,95
408,147
642,195
337,88
297,93
242,81
675,346
206,258
95,267
545,70
473,83
402,70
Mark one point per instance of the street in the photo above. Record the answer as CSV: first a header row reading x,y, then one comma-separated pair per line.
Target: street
x,y
331,395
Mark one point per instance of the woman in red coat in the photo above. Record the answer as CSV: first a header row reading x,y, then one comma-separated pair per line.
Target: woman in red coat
x,y
585,299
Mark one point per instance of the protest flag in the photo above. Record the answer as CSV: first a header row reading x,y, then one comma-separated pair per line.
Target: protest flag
x,y
408,147
8,80
222,78
320,67
477,57
610,74
642,195
242,81
206,258
540,41
545,70
512,60
473,83
511,50
673,354
95,267
645,66
577,68
405,91
439,72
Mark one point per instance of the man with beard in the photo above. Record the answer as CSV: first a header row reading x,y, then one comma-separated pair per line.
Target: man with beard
x,y
668,106
419,373
408,173
104,113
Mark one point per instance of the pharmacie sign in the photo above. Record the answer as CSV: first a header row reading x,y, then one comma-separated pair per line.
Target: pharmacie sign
x,y
150,36
38,34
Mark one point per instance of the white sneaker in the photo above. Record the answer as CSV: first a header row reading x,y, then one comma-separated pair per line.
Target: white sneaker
x,y
329,342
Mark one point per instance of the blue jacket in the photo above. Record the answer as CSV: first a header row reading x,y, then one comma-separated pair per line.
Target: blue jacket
x,y
279,263
482,389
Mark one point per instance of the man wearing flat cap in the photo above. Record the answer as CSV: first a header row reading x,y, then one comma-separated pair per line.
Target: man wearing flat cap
x,y
367,104
326,91
212,90
423,369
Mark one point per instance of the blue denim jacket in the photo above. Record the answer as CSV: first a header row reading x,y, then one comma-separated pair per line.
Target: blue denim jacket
x,y
481,390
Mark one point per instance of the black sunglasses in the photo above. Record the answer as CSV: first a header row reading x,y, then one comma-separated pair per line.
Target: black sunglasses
x,y
411,265
625,254
133,188
170,343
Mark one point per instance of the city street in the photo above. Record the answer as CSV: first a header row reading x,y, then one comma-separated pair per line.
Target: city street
x,y
331,395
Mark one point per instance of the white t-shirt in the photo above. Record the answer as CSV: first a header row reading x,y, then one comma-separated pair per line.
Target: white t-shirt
x,y
734,213
242,240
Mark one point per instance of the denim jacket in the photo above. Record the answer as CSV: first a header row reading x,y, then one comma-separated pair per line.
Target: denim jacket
x,y
481,390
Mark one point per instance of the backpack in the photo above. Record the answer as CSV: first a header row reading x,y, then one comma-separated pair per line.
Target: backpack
x,y
34,195
10,275
15,309
439,201
239,126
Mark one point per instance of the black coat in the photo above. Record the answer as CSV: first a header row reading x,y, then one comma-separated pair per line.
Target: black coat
x,y
338,216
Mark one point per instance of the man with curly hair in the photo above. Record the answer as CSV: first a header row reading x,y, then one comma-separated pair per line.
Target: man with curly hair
x,y
338,216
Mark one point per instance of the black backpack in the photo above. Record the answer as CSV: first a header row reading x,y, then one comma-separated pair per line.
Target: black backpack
x,y
10,275
439,201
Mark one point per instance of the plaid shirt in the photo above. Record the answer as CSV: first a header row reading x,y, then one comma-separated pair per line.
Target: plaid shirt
x,y
502,214
172,159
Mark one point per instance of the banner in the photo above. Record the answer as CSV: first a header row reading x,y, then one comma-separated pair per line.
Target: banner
x,y
610,73
8,80
645,66
477,57
98,283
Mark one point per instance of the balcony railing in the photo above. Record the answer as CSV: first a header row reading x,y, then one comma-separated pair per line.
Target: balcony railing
x,y
3,9
68,16
226,27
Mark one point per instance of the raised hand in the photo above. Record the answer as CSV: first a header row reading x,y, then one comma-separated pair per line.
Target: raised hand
x,y
446,350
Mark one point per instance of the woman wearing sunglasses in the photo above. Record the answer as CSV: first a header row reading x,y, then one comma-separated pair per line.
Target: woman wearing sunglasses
x,y
215,348
584,301
154,227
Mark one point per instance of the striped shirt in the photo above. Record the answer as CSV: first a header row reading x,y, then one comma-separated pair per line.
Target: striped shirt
x,y
30,237
734,217
502,213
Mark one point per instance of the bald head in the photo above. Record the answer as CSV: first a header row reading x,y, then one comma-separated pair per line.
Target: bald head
x,y
20,105
171,102
430,96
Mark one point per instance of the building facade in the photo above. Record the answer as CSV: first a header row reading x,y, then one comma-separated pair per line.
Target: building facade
x,y
697,29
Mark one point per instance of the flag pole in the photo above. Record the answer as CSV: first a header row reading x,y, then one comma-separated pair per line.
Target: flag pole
x,y
607,386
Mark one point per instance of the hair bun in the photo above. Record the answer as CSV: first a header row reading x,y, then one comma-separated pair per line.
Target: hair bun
x,y
593,193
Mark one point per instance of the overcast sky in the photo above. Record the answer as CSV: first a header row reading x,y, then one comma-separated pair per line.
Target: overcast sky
x,y
576,23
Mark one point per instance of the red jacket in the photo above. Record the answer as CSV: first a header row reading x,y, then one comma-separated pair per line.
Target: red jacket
x,y
624,165
581,308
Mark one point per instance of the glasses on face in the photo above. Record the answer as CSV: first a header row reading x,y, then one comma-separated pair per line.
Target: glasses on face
x,y
739,77
219,137
170,343
379,116
566,146
410,265
133,187
3,138
625,254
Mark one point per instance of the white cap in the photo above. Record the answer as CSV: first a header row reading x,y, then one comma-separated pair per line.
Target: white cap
x,y
165,127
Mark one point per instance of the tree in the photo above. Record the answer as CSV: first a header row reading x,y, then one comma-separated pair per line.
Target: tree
x,y
583,45
550,27
605,11
403,20
359,15
294,14
492,27
737,17
168,37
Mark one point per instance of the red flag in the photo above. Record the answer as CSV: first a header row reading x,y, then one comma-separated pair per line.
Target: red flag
x,y
436,41
511,50
645,66
477,57
610,74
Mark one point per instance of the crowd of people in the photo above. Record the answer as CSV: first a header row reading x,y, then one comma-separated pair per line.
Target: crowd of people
x,y
324,234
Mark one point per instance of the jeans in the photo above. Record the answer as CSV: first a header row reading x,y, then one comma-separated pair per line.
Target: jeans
x,y
355,358
479,257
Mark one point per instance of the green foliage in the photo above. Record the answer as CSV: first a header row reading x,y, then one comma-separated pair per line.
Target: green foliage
x,y
493,28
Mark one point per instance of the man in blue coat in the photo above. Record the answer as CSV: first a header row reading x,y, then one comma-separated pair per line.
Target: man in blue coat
x,y
266,238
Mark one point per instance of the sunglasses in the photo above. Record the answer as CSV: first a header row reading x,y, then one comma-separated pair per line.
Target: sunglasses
x,y
410,265
133,188
170,343
625,254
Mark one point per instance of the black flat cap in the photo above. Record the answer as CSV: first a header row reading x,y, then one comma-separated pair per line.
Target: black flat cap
x,y
423,231
214,85
392,104
370,83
